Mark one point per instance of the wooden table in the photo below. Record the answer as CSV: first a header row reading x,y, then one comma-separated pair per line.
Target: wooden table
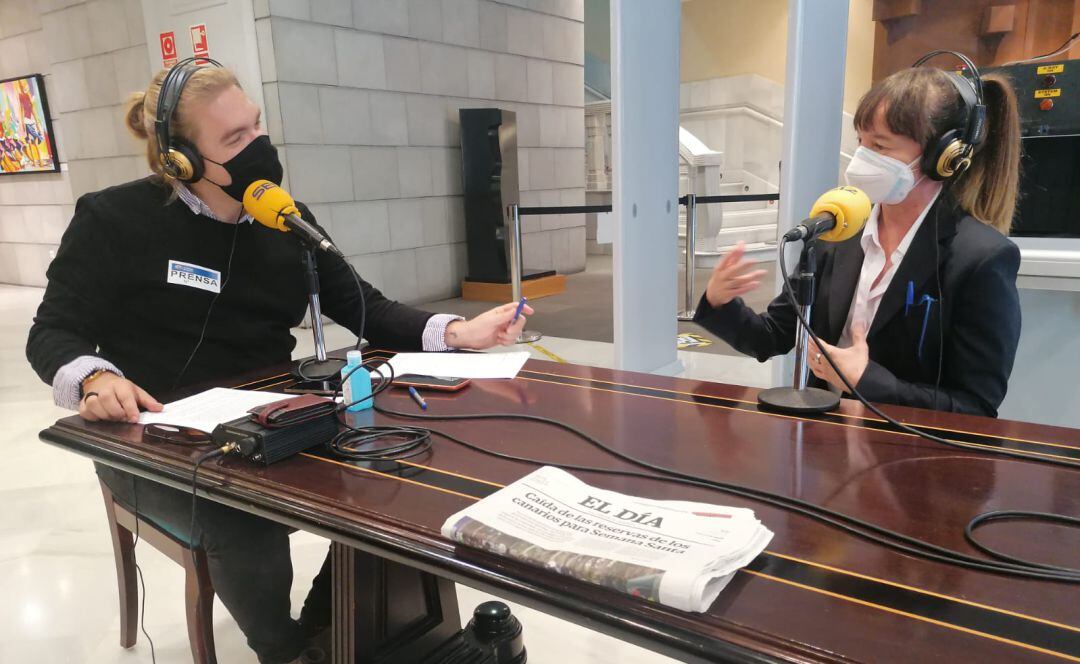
x,y
815,595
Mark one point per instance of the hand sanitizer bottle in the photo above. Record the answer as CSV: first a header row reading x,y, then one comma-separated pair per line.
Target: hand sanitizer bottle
x,y
356,384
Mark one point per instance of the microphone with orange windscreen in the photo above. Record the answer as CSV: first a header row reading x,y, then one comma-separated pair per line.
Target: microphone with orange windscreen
x,y
837,215
272,206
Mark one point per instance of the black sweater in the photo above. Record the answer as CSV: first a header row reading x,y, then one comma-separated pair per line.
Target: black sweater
x,y
109,293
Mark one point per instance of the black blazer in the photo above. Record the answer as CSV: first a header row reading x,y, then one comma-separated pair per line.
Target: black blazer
x,y
977,309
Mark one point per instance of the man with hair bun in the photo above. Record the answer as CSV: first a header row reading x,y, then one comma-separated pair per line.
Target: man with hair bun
x,y
114,330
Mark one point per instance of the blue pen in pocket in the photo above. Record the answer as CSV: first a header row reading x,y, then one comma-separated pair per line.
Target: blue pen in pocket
x,y
929,302
909,301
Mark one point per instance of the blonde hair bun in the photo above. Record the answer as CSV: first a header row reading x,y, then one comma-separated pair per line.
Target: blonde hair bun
x,y
140,111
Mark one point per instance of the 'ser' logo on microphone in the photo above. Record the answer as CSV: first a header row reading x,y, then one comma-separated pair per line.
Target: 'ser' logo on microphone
x,y
258,192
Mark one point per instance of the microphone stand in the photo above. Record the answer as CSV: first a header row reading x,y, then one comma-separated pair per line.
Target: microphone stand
x,y
322,367
800,398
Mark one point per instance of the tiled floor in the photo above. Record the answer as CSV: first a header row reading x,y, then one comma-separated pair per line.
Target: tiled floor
x,y
584,311
56,564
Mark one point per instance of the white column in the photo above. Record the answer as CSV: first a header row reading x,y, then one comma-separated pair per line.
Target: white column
x,y
645,184
813,113
230,35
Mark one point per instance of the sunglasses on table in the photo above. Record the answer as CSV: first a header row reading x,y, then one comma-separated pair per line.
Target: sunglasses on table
x,y
168,433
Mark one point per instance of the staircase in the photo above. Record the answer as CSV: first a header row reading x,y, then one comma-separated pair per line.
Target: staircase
x,y
752,222
729,144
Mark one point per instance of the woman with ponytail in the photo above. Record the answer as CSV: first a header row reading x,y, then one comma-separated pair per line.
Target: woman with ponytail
x,y
921,309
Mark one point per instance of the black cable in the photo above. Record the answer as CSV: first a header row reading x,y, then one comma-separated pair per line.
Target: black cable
x,y
941,305
179,377
193,540
213,301
138,570
1073,37
359,443
344,443
1002,515
363,305
789,293
142,612
302,375
981,518
1064,45
381,385
851,525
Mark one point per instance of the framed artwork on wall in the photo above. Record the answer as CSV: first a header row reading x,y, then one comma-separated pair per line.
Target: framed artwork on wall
x,y
27,141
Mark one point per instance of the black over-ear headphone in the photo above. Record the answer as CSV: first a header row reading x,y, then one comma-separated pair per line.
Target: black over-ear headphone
x,y
950,154
179,159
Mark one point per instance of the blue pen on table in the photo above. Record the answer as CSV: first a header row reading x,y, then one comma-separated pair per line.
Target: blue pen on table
x,y
517,313
417,398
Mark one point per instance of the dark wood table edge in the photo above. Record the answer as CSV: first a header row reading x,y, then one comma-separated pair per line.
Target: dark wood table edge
x,y
744,644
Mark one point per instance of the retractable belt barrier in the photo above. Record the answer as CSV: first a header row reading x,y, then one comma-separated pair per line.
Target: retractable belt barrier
x,y
514,212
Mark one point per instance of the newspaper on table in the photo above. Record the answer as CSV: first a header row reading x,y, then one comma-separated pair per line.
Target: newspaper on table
x,y
680,554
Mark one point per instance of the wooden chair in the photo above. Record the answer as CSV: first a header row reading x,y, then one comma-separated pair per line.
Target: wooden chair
x,y
198,591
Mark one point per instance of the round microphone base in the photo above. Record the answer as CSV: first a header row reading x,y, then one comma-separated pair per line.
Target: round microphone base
x,y
328,369
790,400
527,337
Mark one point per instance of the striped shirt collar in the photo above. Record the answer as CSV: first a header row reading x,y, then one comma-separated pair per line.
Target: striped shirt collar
x,y
199,207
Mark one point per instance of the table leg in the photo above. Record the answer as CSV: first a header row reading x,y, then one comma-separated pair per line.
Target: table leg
x,y
385,611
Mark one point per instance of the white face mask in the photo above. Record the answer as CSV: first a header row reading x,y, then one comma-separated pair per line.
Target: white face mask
x,y
884,179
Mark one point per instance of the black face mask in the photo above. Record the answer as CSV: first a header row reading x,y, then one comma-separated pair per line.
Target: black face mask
x,y
257,161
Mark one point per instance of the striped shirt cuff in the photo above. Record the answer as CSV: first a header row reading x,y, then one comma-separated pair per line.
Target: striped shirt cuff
x,y
434,339
67,383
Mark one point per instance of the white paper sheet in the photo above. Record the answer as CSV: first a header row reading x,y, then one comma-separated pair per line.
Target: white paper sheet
x,y
459,365
206,410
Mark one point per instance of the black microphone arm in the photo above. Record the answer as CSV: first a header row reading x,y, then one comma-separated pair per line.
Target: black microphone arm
x,y
812,227
310,234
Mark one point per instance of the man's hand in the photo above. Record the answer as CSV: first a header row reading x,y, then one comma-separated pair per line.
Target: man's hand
x,y
493,327
851,361
110,398
732,277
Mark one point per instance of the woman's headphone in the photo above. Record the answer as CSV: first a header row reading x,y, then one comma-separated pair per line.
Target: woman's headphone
x,y
950,155
179,159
